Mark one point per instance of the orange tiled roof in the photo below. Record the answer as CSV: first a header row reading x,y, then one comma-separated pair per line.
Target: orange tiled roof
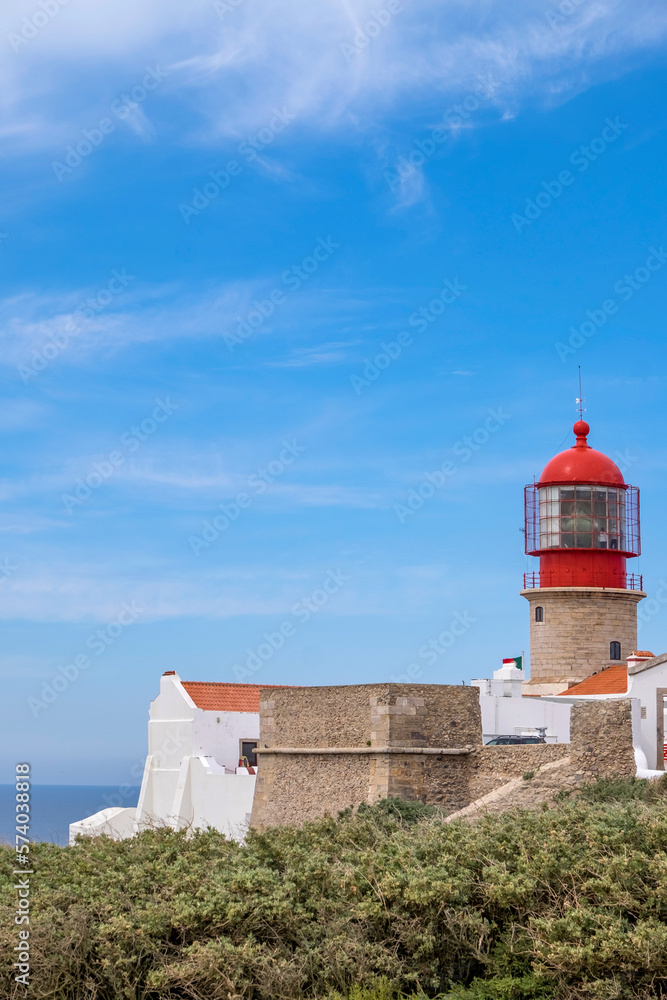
x,y
613,680
643,652
219,697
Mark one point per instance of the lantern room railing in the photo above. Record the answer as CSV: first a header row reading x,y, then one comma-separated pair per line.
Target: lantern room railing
x,y
580,516
533,581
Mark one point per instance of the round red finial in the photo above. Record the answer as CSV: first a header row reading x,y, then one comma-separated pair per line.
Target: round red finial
x,y
582,430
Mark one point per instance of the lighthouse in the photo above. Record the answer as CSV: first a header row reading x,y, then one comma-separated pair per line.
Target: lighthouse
x,y
582,522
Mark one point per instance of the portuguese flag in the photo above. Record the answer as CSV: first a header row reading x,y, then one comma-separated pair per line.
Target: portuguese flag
x,y
514,661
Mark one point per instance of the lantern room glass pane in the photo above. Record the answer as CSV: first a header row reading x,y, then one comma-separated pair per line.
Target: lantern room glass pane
x,y
588,517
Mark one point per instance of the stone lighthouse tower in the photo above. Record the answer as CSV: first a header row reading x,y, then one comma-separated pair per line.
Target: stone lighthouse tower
x,y
582,521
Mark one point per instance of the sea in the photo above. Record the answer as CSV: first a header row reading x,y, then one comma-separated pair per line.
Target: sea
x,y
54,807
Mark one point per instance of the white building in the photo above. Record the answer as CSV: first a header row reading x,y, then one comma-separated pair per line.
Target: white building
x,y
201,766
506,712
644,680
200,738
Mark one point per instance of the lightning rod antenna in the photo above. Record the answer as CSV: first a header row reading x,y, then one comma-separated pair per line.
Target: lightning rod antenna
x,y
580,399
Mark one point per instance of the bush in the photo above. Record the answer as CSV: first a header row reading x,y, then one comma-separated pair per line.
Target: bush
x,y
407,812
625,790
505,988
380,989
383,903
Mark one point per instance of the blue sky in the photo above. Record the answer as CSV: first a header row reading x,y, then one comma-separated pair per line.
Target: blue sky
x,y
217,218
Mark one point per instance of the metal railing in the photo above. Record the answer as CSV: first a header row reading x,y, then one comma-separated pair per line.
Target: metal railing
x,y
531,581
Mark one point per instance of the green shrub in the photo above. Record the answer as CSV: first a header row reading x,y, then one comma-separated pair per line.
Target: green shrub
x,y
401,809
625,790
379,989
505,988
381,903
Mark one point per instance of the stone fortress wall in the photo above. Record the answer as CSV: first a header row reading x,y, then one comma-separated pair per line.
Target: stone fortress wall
x,y
323,749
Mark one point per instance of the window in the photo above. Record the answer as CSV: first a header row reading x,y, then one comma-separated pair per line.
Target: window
x,y
248,748
614,650
582,517
539,614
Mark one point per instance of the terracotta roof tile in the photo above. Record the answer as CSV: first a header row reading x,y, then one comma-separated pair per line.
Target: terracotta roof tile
x,y
613,680
219,697
643,652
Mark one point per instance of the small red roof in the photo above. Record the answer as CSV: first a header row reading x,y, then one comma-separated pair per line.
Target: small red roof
x,y
582,464
219,697
613,680
644,652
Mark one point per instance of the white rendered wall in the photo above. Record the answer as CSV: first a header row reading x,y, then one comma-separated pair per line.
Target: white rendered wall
x,y
505,712
217,734
642,689
190,780
504,716
220,800
191,753
644,686
116,822
177,726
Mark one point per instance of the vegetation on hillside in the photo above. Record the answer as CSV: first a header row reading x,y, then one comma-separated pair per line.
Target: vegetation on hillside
x,y
561,903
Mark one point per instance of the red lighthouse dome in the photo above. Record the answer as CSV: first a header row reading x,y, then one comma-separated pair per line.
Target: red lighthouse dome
x,y
582,519
582,464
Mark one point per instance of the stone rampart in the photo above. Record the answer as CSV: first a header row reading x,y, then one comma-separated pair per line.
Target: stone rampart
x,y
601,735
491,767
325,749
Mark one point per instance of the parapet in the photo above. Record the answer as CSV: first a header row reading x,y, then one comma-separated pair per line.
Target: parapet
x,y
323,749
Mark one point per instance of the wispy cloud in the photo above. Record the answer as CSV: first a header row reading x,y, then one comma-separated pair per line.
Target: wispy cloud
x,y
83,592
31,321
267,54
148,313
335,353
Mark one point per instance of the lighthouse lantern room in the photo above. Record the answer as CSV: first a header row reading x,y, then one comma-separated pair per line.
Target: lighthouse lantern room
x,y
582,522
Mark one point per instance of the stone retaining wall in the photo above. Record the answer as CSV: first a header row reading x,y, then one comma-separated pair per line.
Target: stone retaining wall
x,y
491,767
292,790
361,731
324,749
601,735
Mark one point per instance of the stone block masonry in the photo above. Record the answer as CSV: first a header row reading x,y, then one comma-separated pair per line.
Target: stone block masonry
x,y
572,642
491,767
322,749
325,749
601,735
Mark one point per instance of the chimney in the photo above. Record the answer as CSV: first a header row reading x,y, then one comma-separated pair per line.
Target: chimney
x,y
639,656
